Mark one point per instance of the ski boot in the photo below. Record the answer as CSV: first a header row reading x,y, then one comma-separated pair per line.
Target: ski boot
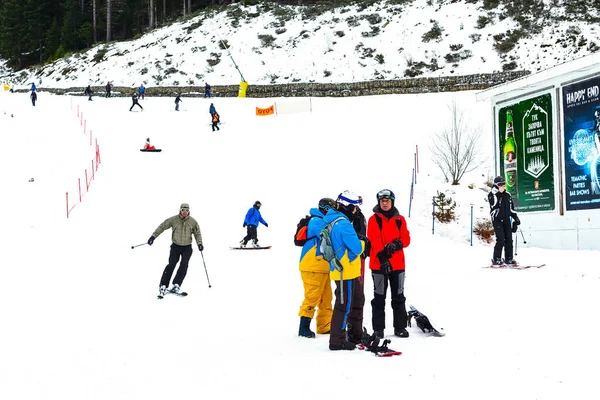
x,y
175,288
162,291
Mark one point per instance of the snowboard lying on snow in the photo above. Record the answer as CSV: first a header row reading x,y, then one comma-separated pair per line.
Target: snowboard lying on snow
x,y
423,322
251,248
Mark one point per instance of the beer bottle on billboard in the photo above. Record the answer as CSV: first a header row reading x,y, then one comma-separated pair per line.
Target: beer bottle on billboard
x,y
510,156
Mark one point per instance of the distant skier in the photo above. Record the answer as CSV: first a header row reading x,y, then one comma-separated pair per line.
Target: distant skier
x,y
108,89
177,101
88,92
33,88
206,90
211,109
215,121
33,97
134,99
142,91
253,218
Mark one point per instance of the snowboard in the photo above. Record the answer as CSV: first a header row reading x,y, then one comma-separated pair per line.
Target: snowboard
x,y
423,322
151,151
251,248
371,343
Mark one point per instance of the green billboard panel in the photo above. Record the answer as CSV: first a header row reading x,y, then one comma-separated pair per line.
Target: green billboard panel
x,y
525,152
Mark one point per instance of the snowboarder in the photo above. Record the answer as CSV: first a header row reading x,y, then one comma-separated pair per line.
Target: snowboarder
x,y
148,146
33,96
177,101
206,90
134,99
251,221
183,226
389,235
502,210
346,321
142,91
215,121
314,271
108,89
88,92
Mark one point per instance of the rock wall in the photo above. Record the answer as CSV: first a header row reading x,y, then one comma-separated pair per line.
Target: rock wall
x,y
368,88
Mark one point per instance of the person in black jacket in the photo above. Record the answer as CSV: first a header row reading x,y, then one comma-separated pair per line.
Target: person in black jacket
x,y
134,99
350,206
88,92
502,209
177,101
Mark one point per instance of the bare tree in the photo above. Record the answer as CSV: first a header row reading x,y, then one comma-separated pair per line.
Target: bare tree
x,y
455,150
108,12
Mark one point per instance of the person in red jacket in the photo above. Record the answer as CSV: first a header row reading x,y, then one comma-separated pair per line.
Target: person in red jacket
x,y
388,234
148,146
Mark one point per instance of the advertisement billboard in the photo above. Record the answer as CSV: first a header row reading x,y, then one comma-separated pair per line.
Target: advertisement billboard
x,y
525,132
581,105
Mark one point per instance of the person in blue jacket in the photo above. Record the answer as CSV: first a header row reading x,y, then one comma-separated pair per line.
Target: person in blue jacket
x,y
346,322
206,90
212,109
33,88
142,91
251,221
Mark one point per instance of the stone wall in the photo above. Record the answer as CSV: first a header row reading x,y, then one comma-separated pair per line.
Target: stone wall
x,y
378,87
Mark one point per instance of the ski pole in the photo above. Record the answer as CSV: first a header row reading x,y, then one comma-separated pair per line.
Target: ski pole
x,y
523,236
202,254
138,245
516,243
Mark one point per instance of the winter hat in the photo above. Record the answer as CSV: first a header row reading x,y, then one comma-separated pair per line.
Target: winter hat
x,y
184,206
148,140
347,197
499,181
257,203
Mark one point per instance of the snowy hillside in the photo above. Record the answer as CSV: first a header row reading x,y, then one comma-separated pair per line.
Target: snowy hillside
x,y
285,44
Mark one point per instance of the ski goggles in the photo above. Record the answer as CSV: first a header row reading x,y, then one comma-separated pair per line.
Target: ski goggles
x,y
185,210
385,194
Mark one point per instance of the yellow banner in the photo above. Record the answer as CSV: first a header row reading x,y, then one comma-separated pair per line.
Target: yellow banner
x,y
265,111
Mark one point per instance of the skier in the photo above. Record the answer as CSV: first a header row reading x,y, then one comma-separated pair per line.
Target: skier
x,y
211,109
501,210
142,91
33,97
148,146
206,90
389,235
251,221
350,207
346,321
183,226
88,92
33,88
134,99
314,271
215,121
177,101
108,88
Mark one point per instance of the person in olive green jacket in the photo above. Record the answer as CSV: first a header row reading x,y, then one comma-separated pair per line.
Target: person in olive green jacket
x,y
183,226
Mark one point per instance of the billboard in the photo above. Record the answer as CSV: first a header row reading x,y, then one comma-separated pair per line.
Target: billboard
x,y
581,105
525,132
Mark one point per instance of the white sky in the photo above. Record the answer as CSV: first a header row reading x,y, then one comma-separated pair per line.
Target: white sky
x,y
80,318
295,58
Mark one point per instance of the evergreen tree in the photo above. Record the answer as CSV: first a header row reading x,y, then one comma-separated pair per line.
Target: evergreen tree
x,y
11,32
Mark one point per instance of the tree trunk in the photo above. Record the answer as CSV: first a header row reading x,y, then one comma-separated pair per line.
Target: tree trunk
x,y
151,12
108,12
94,21
189,7
164,14
184,8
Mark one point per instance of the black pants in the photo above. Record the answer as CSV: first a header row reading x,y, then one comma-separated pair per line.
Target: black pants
x,y
251,235
176,106
215,125
396,282
135,104
503,239
348,316
185,252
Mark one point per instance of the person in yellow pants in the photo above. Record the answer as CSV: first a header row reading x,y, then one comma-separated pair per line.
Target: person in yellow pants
x,y
314,271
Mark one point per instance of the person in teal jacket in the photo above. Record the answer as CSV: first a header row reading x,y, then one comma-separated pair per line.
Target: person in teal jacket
x,y
253,218
346,322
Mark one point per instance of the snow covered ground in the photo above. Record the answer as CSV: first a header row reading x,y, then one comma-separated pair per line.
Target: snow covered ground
x,y
80,318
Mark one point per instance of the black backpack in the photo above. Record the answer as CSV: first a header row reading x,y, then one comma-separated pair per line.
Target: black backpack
x,y
300,237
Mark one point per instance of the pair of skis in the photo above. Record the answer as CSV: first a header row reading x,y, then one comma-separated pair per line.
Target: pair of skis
x,y
514,266
180,294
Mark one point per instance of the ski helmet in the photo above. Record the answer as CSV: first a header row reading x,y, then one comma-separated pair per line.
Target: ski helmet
x,y
326,203
347,197
499,181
